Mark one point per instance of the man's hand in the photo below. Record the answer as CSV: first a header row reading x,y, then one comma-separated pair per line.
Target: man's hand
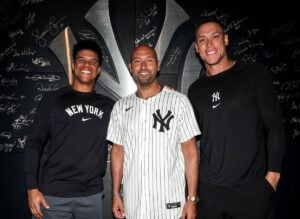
x,y
189,210
273,178
35,199
117,207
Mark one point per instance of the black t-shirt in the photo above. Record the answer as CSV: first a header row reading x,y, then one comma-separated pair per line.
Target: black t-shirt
x,y
241,124
70,131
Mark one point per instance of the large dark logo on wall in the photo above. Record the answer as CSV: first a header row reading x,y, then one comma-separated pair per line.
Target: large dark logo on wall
x,y
161,24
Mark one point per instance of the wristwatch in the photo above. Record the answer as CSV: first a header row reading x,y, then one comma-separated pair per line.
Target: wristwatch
x,y
193,199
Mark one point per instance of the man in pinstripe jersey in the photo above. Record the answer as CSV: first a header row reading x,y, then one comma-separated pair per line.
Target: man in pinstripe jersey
x,y
154,153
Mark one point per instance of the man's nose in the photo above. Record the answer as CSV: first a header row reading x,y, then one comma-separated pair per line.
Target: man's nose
x,y
86,62
144,65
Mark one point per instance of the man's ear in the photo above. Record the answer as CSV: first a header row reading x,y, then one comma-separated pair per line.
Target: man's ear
x,y
99,70
226,39
158,65
73,67
129,67
196,47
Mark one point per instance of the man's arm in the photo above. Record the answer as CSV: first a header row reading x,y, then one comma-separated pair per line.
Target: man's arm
x,y
117,159
191,163
34,146
272,118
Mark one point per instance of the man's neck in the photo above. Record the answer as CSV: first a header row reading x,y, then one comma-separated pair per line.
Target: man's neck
x,y
146,92
212,70
83,88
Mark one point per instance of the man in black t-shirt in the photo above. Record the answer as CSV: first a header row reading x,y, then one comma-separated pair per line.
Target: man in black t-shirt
x,y
242,142
69,130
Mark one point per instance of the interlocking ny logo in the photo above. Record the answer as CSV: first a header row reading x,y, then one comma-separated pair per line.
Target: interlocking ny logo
x,y
215,97
164,121
156,24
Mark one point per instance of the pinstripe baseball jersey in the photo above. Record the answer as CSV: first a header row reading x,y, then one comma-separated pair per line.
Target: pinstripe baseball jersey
x,y
151,132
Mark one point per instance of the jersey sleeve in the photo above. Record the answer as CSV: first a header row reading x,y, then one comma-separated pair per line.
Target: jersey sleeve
x,y
114,132
188,126
272,119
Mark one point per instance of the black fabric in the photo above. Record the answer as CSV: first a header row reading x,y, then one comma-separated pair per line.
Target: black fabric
x,y
252,200
241,124
69,131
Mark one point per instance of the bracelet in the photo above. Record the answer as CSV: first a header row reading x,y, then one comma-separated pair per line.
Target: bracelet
x,y
116,194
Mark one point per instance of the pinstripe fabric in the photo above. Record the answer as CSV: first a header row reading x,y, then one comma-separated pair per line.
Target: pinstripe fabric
x,y
153,173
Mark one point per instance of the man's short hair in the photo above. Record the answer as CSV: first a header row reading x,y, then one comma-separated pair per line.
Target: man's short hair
x,y
90,45
207,19
146,45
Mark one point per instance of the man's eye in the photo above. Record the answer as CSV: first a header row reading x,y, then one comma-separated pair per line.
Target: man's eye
x,y
201,40
93,63
136,61
89,62
150,60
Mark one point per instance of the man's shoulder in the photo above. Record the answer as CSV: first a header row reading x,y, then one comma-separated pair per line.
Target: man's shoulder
x,y
125,101
126,98
170,91
195,86
253,71
49,98
105,98
174,93
251,66
56,93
